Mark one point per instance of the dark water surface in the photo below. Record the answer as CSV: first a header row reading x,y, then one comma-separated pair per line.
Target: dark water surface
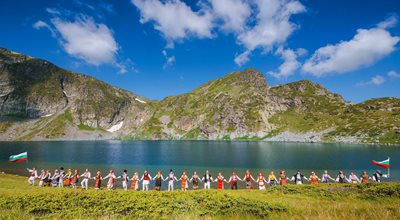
x,y
225,156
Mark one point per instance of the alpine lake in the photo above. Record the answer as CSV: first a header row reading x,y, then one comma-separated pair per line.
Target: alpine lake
x,y
190,156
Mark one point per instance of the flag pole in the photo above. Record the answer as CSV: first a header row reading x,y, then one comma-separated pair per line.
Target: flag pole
x,y
389,170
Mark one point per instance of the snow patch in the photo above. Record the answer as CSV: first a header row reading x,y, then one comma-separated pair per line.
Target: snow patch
x,y
141,101
116,127
48,115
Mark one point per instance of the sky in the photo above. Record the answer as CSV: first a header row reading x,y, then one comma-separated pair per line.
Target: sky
x,y
159,48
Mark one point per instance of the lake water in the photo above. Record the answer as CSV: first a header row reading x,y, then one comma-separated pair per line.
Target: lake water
x,y
224,156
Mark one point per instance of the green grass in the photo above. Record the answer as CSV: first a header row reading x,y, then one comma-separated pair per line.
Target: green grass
x,y
324,201
86,127
4,125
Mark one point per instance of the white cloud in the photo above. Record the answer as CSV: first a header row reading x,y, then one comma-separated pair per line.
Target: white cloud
x,y
91,42
233,13
40,24
375,80
388,23
175,20
367,47
242,58
169,60
290,64
273,25
393,74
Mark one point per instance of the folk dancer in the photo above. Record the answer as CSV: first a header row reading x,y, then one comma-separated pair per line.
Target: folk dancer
x,y
233,179
32,176
195,179
207,179
248,178
86,176
171,178
145,180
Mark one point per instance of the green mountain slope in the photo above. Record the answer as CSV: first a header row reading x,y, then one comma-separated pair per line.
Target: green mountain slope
x,y
42,101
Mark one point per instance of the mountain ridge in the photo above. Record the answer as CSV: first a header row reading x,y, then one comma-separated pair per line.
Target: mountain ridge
x,y
41,101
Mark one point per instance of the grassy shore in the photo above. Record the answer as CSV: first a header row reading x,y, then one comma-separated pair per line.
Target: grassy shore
x,y
20,201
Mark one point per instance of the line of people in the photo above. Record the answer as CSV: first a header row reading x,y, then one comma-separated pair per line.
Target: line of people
x,y
61,178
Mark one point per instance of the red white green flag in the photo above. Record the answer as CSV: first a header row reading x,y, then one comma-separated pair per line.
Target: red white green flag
x,y
19,157
385,163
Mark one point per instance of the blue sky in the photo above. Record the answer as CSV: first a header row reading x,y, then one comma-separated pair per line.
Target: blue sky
x,y
160,48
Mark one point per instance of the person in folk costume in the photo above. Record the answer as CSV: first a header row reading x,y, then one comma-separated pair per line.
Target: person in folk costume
x,y
47,178
97,180
220,180
326,177
171,178
158,178
298,178
314,178
283,178
353,178
145,180
272,180
125,179
195,179
364,177
74,178
111,180
86,176
248,178
55,178
341,178
233,179
261,181
32,176
68,176
377,177
41,178
207,179
135,181
184,178
61,177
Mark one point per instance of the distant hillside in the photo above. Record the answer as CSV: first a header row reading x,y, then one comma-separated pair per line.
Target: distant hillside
x,y
42,101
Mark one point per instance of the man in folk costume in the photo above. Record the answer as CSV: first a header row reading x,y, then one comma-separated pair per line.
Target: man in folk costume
x,y
125,179
377,177
61,177
55,178
145,180
298,178
171,177
32,176
85,182
233,179
41,178
207,179
111,180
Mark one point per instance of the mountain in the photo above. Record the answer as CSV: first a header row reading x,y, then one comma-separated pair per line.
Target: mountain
x,y
42,101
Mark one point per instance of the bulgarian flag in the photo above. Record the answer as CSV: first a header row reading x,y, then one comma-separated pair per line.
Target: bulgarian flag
x,y
19,157
385,163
